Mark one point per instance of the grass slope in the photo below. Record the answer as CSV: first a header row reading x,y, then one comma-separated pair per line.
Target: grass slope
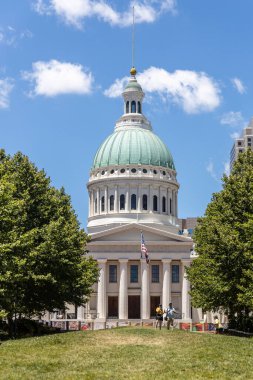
x,y
128,353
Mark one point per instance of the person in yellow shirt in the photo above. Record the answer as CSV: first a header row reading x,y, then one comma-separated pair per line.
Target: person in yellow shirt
x,y
159,316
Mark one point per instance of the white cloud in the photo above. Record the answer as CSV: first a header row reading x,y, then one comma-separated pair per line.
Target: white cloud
x,y
56,78
238,85
75,11
227,168
235,135
194,91
233,119
210,169
10,36
6,86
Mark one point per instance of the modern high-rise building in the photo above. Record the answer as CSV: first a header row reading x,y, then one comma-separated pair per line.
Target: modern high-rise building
x,y
242,143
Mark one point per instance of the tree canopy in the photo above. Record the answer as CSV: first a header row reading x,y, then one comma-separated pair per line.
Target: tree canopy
x,y
43,260
222,274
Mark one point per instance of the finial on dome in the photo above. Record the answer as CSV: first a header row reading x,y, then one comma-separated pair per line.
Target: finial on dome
x,y
133,71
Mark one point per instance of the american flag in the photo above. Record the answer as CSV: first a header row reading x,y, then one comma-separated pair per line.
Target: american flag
x,y
144,249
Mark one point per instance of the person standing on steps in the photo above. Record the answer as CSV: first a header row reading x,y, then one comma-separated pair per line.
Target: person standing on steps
x,y
159,316
170,315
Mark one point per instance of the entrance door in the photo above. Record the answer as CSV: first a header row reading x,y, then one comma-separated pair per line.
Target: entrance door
x,y
154,302
134,307
113,307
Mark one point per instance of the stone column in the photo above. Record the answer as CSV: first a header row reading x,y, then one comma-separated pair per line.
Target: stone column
x,y
160,200
123,296
145,297
106,199
172,204
127,198
92,203
168,202
166,299
101,295
186,304
139,198
80,313
98,202
116,200
149,199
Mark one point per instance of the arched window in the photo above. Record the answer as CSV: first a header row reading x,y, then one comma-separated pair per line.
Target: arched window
x,y
164,204
127,107
155,203
133,106
122,202
102,204
144,202
139,107
170,206
96,205
133,202
111,202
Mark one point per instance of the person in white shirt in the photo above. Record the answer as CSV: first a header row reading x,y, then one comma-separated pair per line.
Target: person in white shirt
x,y
170,315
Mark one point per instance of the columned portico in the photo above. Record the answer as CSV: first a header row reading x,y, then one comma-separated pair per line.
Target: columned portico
x,y
145,301
166,295
186,307
101,294
123,301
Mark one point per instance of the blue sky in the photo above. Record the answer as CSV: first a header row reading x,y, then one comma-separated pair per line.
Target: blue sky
x,y
59,62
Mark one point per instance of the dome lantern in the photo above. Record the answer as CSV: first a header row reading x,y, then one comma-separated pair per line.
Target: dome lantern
x,y
133,95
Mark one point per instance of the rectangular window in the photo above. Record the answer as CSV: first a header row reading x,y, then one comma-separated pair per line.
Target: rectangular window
x,y
175,273
155,273
134,273
112,273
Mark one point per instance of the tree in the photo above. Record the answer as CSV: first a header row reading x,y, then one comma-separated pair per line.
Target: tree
x,y
222,274
43,261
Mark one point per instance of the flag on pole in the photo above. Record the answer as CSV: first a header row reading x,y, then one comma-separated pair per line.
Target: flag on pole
x,y
144,250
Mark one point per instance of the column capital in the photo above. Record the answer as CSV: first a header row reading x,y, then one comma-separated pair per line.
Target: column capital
x,y
101,261
166,261
186,262
123,261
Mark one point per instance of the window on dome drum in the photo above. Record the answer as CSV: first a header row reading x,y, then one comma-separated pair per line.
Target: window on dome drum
x,y
144,202
164,173
133,106
164,204
139,107
133,170
103,172
134,273
111,202
122,202
127,107
175,273
112,171
155,203
154,171
112,273
96,205
103,203
170,206
144,171
155,273
122,170
133,202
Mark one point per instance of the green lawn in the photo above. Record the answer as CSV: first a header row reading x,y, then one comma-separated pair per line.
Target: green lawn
x,y
128,353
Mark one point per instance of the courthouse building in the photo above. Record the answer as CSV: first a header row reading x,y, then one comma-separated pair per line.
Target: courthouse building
x,y
133,190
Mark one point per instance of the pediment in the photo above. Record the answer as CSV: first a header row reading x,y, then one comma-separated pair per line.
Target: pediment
x,y
132,233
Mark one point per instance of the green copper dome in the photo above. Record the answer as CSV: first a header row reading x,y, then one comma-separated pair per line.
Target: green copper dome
x,y
133,145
